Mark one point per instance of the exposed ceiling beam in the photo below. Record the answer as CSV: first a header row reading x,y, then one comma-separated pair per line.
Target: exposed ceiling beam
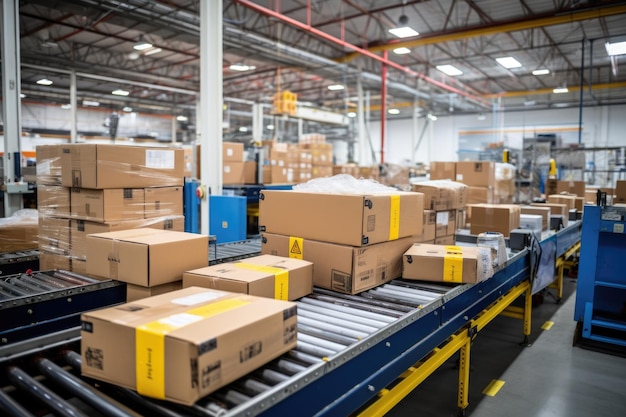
x,y
604,86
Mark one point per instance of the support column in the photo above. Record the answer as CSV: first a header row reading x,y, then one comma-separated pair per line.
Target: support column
x,y
11,105
174,126
363,156
211,102
74,108
414,131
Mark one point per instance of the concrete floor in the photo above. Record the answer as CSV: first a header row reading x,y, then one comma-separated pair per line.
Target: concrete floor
x,y
549,378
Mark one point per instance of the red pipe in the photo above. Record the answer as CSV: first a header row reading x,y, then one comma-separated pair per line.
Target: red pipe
x,y
383,109
317,32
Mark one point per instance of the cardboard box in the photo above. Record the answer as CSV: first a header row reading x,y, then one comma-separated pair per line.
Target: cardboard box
x,y
532,222
18,234
355,220
552,186
232,152
53,200
430,224
500,218
350,169
271,276
275,175
461,219
445,223
479,195
48,261
579,203
163,201
442,194
206,339
556,209
137,292
232,172
476,173
370,172
49,164
79,229
620,191
146,256
445,240
120,166
568,200
443,170
249,172
322,157
54,235
544,212
321,171
571,187
343,268
454,264
107,205
78,265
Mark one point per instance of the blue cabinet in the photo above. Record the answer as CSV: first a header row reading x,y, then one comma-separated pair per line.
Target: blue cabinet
x,y
227,218
601,292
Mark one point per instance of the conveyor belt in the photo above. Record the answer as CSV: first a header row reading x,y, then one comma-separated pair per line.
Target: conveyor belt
x,y
228,252
18,262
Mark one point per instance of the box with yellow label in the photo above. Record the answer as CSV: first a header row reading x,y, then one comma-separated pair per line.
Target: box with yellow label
x,y
269,276
453,264
183,345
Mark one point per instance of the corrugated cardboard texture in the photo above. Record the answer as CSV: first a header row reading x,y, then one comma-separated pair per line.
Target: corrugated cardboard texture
x,y
500,218
239,277
78,265
163,201
426,262
232,152
556,209
442,195
544,212
49,261
18,233
137,292
118,166
54,235
345,219
145,257
443,170
107,205
49,164
445,223
620,192
53,200
568,200
343,268
217,338
477,195
571,187
476,173
233,172
430,224
445,240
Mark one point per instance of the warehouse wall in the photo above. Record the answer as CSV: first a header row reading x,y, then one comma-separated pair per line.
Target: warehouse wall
x,y
602,126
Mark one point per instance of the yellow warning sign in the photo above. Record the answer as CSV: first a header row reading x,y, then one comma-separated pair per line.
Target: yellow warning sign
x,y
296,247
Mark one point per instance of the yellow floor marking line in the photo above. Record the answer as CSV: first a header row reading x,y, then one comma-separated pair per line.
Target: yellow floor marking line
x,y
547,325
493,387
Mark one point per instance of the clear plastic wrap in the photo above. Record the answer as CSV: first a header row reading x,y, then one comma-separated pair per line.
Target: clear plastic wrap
x,y
442,194
343,184
504,191
495,241
19,231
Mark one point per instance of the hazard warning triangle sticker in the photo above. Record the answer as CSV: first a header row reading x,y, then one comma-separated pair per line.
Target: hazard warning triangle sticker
x,y
295,247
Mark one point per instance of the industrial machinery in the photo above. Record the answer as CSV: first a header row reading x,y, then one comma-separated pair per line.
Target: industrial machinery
x,y
16,262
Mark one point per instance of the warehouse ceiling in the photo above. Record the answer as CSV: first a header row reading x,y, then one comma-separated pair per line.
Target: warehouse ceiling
x,y
306,45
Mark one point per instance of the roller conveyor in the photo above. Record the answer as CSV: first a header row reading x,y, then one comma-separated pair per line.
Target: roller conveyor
x,y
18,262
228,252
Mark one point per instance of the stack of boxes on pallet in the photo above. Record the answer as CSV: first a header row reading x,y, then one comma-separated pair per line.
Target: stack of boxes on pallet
x,y
321,154
84,188
299,164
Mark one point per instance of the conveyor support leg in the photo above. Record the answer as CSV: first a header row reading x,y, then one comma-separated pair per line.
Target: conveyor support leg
x,y
464,369
528,308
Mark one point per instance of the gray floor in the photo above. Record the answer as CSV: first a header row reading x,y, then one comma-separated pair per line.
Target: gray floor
x,y
549,378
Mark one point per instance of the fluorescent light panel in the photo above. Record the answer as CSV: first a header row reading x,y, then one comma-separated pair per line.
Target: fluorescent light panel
x,y
91,103
560,90
270,127
617,48
127,109
393,111
508,62
153,51
44,81
541,72
241,67
351,114
403,32
142,46
402,51
335,87
449,70
181,118
66,106
120,92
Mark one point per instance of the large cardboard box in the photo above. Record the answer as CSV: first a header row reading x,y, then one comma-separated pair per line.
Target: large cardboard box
x,y
271,276
145,256
321,171
119,166
137,292
544,212
80,229
445,223
552,186
232,152
249,172
443,170
571,187
183,345
18,234
53,200
48,261
354,219
454,264
343,268
430,224
49,164
163,201
568,200
54,235
442,194
445,240
108,204
494,218
275,175
478,195
556,209
78,265
322,157
476,173
620,191
233,172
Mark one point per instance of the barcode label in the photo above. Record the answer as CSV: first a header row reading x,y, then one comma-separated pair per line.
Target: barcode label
x,y
160,159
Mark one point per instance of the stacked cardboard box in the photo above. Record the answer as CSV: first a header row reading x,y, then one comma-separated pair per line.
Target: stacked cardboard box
x,y
275,165
504,190
445,198
84,188
500,218
19,231
591,194
299,164
232,163
620,192
480,177
350,169
371,172
556,209
355,241
443,170
321,158
544,212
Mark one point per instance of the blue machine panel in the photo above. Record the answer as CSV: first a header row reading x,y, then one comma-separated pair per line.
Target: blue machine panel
x,y
227,218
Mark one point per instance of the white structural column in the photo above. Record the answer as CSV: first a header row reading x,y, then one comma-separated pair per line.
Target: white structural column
x,y
363,156
414,131
74,108
11,106
211,102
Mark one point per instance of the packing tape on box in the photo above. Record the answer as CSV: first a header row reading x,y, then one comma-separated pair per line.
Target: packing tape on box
x,y
394,217
150,344
296,247
281,278
453,264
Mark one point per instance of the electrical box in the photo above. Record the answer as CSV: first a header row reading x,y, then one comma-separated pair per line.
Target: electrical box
x,y
227,218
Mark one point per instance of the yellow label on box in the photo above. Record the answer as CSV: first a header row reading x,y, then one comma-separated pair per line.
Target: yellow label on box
x,y
281,278
394,217
453,264
296,247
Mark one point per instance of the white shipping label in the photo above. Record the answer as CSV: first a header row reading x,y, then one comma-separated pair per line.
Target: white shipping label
x,y
160,159
618,228
43,168
180,320
459,177
194,299
229,151
227,169
442,218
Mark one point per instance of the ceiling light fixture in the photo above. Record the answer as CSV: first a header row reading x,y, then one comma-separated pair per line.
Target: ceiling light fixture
x,y
335,87
91,103
22,95
241,67
270,127
449,70
120,92
153,51
482,117
402,51
544,71
44,81
351,114
403,32
127,109
431,117
243,129
616,48
529,103
142,45
560,90
508,62
393,111
181,118
66,106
